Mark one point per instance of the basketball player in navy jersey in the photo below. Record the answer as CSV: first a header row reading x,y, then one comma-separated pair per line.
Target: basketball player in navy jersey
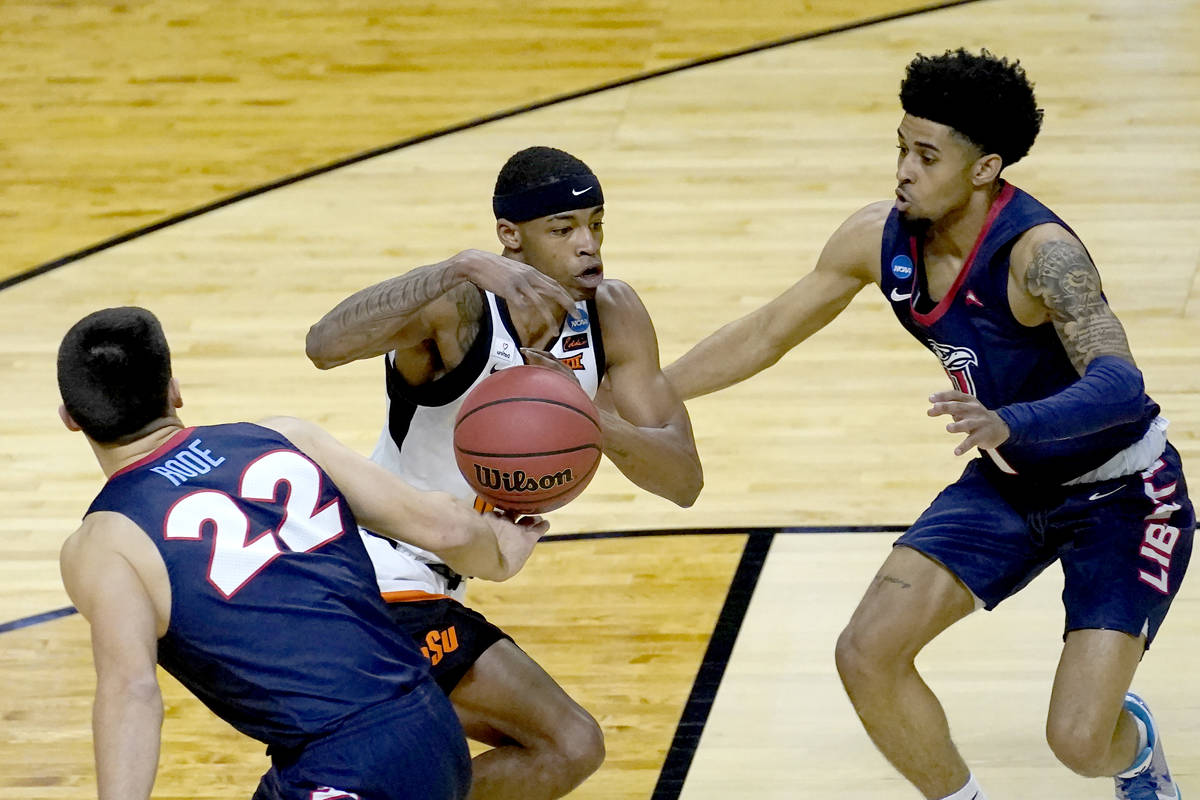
x,y
230,555
1074,463
443,328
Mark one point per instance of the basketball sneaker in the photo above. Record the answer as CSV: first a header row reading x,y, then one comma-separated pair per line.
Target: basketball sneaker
x,y
1148,778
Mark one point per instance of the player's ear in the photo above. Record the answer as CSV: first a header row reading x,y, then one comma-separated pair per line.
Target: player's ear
x,y
986,169
174,396
509,234
67,419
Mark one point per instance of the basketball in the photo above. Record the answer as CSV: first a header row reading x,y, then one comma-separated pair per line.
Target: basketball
x,y
527,439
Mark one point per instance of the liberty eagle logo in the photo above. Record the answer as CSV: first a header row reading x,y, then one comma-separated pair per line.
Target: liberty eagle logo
x,y
957,361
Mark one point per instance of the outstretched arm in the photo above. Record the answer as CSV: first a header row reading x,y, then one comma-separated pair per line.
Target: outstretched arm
x,y
481,545
749,345
106,587
400,312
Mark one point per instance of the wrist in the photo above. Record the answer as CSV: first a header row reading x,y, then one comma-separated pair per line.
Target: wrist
x,y
1012,422
460,268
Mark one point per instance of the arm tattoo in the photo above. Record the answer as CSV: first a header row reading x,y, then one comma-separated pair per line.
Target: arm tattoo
x,y
1063,276
397,297
367,322
470,310
897,581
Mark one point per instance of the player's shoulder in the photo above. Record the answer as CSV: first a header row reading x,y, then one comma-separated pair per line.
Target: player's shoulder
x,y
624,320
305,436
1046,232
870,219
615,297
615,290
100,530
855,246
1047,238
290,428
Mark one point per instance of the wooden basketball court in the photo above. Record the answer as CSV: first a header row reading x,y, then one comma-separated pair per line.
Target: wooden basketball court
x,y
723,180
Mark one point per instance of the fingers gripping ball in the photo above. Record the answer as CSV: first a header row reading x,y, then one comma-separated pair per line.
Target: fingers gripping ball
x,y
527,439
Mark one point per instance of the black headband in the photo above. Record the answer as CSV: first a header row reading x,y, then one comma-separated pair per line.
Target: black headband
x,y
562,194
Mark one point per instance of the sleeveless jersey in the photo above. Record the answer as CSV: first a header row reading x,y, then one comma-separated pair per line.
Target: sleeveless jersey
x,y
417,441
984,349
276,622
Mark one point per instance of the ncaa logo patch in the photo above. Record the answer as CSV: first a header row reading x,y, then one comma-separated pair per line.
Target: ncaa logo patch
x,y
579,322
902,267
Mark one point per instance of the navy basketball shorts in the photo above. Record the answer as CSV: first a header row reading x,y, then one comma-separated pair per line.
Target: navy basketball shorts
x,y
451,636
1124,544
410,748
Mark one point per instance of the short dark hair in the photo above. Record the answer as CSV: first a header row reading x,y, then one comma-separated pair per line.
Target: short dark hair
x,y
114,367
983,97
537,166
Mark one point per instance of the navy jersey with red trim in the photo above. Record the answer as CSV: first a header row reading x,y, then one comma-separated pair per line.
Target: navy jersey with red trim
x,y
276,621
983,348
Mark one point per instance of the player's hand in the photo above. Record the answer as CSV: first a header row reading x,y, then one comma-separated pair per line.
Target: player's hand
x,y
542,358
983,427
516,537
526,290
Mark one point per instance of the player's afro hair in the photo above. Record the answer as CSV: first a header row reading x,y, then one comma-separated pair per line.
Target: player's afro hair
x,y
537,166
983,97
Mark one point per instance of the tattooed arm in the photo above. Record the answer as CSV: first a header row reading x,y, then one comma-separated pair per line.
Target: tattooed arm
x,y
406,310
1059,274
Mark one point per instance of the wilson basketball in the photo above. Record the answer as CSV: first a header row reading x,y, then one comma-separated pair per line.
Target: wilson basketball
x,y
527,439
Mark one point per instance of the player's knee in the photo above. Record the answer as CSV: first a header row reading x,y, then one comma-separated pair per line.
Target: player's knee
x,y
858,658
580,745
1083,751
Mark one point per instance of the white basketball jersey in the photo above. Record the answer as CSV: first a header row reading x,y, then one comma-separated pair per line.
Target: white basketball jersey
x,y
417,441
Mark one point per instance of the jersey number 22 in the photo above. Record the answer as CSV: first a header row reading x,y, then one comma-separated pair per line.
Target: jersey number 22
x,y
235,557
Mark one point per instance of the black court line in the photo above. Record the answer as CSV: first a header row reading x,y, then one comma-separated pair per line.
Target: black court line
x,y
712,668
70,258
38,618
752,533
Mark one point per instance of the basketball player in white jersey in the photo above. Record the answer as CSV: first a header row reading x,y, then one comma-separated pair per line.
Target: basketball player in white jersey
x,y
442,329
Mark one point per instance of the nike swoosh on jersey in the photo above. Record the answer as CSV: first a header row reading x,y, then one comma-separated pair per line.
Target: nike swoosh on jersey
x,y
1100,496
897,297
581,191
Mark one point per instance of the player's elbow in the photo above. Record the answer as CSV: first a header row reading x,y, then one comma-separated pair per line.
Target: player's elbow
x,y
130,688
319,349
688,490
689,499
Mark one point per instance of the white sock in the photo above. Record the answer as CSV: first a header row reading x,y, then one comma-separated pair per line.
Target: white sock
x,y
970,791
